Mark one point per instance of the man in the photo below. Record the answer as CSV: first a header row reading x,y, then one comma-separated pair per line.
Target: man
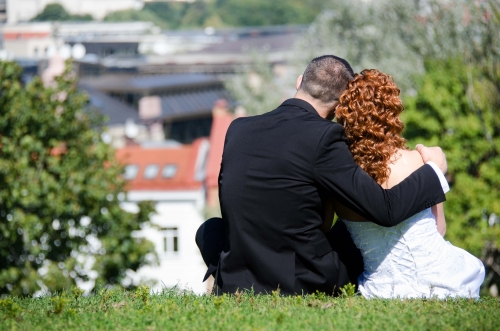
x,y
277,171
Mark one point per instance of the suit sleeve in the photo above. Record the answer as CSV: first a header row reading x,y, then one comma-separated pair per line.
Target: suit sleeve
x,y
336,171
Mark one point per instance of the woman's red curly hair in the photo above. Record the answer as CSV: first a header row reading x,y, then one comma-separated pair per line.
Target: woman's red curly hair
x,y
369,111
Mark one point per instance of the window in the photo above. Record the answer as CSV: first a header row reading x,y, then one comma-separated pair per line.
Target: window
x,y
131,171
170,241
151,171
169,171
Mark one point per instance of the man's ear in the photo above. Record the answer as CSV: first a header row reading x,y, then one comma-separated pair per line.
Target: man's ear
x,y
299,81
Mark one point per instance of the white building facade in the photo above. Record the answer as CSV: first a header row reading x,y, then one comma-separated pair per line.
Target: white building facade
x,y
172,232
172,178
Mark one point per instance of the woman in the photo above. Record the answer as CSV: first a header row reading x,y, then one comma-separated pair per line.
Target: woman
x,y
412,259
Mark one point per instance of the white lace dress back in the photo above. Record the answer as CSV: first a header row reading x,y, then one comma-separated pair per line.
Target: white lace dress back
x,y
412,260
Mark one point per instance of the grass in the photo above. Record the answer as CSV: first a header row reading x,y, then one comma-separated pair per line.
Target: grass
x,y
138,310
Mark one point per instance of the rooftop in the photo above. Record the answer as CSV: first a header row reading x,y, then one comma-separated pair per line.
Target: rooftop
x,y
191,103
151,83
169,168
116,111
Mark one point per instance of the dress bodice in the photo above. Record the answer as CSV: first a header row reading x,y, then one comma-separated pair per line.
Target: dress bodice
x,y
398,243
412,259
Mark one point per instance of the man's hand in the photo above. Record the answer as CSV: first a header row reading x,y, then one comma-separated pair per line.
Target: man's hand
x,y
433,154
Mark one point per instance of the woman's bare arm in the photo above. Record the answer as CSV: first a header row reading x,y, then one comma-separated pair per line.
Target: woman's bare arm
x,y
438,212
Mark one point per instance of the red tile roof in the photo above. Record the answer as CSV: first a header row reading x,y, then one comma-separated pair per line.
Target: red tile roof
x,y
184,157
25,35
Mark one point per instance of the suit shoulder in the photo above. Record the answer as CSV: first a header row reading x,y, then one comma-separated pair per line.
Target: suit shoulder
x,y
236,123
333,131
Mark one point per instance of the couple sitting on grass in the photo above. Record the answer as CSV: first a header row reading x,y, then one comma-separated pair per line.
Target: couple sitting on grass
x,y
284,175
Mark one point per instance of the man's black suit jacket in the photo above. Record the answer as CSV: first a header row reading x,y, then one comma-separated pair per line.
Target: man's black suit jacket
x,y
277,171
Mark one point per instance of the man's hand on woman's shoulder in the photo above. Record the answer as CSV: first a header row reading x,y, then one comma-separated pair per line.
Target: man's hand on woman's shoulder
x,y
433,154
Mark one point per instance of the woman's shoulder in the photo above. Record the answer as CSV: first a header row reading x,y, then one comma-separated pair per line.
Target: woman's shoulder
x,y
403,164
409,157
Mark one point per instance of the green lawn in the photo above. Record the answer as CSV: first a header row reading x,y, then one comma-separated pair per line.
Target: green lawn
x,y
119,310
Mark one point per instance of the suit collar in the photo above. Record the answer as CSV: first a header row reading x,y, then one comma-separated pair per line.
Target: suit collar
x,y
301,104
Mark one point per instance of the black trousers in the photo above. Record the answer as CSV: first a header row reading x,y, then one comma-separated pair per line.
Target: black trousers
x,y
211,240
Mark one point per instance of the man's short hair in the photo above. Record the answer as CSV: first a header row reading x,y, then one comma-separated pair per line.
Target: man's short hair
x,y
326,77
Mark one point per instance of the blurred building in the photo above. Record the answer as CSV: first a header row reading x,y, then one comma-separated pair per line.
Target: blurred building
x,y
164,107
40,40
218,52
176,177
102,48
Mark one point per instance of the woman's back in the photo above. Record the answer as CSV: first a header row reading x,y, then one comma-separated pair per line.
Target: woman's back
x,y
410,259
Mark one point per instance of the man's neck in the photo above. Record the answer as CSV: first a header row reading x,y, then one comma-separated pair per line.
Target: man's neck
x,y
325,111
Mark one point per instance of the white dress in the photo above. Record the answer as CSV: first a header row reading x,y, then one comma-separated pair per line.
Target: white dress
x,y
412,260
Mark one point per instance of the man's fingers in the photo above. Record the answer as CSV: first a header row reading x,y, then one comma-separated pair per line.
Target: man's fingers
x,y
433,154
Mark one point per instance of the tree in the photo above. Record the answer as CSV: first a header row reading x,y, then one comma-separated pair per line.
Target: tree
x,y
361,33
130,15
257,90
52,12
262,12
56,12
60,191
443,114
222,13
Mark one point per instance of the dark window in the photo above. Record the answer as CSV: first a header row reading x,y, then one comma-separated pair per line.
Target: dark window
x,y
170,241
185,131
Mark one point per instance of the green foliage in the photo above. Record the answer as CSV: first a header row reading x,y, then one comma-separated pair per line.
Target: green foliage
x,y
129,15
257,90
60,191
56,12
348,290
363,34
76,292
184,311
58,304
457,109
221,13
10,308
236,12
173,14
142,293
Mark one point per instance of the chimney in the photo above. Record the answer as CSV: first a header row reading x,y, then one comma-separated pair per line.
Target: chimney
x,y
221,119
